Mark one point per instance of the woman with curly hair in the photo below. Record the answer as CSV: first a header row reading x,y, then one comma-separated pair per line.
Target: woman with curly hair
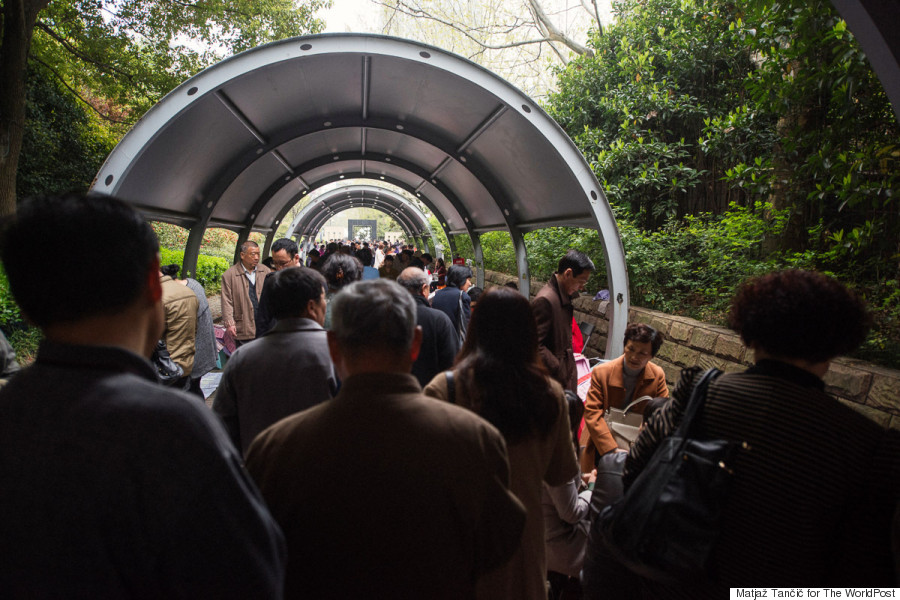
x,y
339,270
815,486
499,375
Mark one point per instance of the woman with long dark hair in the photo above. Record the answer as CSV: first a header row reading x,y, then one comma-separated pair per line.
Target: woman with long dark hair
x,y
499,375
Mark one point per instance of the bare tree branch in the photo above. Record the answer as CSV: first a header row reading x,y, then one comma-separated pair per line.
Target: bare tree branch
x,y
552,32
71,49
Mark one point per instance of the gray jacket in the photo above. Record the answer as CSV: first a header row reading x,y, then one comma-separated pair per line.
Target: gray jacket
x,y
285,371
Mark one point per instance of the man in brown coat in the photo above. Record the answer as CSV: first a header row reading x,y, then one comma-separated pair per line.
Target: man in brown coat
x,y
553,312
383,492
180,306
242,286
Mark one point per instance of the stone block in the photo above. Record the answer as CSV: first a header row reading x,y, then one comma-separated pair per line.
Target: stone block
x,y
895,422
703,339
680,332
686,357
671,370
847,382
660,323
730,347
884,393
583,303
666,352
601,309
878,416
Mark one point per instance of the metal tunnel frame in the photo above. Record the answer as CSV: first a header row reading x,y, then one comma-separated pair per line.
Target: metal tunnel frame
x,y
413,221
242,142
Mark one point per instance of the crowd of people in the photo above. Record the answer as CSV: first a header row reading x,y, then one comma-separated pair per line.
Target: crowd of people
x,y
381,431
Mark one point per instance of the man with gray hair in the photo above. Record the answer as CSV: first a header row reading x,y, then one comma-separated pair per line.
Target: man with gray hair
x,y
426,509
440,343
242,286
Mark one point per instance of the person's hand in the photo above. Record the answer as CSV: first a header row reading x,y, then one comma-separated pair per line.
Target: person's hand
x,y
589,478
232,329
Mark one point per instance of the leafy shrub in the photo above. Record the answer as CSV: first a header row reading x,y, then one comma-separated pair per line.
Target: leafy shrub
x,y
209,268
10,315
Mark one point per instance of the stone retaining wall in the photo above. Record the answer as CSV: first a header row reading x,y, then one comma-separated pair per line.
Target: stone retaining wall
x,y
873,390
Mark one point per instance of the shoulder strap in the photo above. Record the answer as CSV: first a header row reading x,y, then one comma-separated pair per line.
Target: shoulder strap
x,y
696,402
451,387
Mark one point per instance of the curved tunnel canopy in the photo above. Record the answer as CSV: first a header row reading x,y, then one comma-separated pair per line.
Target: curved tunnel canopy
x,y
314,215
242,142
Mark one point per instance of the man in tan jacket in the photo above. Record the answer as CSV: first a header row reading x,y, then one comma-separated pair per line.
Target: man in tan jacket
x,y
180,305
242,286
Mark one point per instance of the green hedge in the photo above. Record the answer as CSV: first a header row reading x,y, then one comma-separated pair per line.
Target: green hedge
x,y
209,268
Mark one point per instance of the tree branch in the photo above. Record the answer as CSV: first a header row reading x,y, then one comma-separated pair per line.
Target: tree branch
x,y
75,93
71,49
552,32
416,12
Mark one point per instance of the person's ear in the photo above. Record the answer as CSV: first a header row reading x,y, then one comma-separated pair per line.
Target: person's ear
x,y
154,287
416,346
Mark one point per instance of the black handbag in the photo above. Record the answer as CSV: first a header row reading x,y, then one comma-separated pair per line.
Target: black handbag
x,y
167,369
666,525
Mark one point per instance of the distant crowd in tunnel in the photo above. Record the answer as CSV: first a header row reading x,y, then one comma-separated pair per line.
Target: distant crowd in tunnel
x,y
383,429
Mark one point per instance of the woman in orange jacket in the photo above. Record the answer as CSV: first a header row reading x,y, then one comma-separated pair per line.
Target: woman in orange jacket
x,y
615,384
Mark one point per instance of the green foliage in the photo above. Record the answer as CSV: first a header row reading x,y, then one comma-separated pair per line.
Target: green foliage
x,y
209,268
63,144
695,108
25,342
9,310
641,106
130,53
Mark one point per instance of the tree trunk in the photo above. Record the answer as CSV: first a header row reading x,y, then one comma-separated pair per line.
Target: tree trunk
x,y
19,17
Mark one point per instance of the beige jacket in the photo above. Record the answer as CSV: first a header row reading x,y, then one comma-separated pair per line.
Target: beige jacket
x,y
236,307
180,305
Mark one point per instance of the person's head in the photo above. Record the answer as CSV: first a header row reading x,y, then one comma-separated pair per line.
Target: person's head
x,y
388,260
642,342
297,292
364,255
170,270
415,280
573,271
373,328
249,255
440,263
459,276
475,293
285,253
417,263
340,270
797,315
427,258
105,231
500,368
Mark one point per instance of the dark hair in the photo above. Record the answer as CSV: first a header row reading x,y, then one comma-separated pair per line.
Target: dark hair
x,y
575,260
639,332
457,275
799,314
314,252
104,230
170,270
417,262
576,411
427,256
475,293
500,370
341,270
288,245
292,289
365,256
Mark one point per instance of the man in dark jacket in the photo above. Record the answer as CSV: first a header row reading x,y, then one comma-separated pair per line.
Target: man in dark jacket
x,y
453,301
553,312
113,485
440,342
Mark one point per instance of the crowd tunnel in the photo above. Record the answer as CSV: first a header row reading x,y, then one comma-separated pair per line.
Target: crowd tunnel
x,y
413,221
241,143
